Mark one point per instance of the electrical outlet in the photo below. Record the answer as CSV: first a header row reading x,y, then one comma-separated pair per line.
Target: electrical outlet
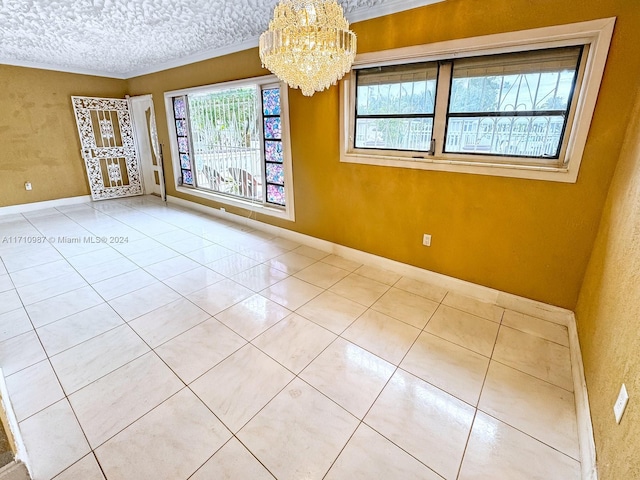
x,y
27,185
621,403
426,240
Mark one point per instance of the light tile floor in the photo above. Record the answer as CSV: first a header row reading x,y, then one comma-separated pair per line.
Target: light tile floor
x,y
190,347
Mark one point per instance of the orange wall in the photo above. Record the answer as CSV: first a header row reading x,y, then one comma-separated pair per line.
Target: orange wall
x,y
608,316
39,135
530,238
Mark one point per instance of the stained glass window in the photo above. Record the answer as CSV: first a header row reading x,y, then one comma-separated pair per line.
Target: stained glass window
x,y
272,128
181,128
275,173
275,194
179,108
273,151
271,101
183,145
208,123
273,154
182,133
187,177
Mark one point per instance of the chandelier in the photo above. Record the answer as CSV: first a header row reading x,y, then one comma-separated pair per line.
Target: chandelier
x,y
308,44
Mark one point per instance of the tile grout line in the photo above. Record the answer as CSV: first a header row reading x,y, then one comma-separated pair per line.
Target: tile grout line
x,y
475,411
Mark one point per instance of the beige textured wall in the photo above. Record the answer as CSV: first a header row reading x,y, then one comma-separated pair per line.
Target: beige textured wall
x,y
530,238
608,316
38,134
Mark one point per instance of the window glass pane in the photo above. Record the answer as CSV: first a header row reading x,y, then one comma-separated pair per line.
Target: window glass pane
x,y
187,177
531,81
179,108
183,145
396,89
272,128
185,161
273,151
394,133
225,133
533,136
513,104
181,128
275,194
271,101
275,173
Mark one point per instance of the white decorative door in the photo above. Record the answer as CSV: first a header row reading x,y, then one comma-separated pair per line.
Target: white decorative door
x,y
108,147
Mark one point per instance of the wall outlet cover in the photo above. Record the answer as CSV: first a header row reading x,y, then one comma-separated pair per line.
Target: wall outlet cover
x,y
621,403
426,240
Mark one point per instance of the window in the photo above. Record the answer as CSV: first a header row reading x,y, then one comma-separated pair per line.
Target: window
x,y
395,106
512,104
230,144
517,104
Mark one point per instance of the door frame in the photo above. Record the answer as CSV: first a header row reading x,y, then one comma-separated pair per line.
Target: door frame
x,y
148,146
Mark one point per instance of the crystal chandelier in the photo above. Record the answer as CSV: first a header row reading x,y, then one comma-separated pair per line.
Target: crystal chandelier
x,y
308,44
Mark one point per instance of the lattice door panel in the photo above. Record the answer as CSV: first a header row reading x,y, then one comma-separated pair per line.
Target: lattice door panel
x,y
108,147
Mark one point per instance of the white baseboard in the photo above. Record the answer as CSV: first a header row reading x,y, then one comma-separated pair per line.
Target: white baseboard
x,y
480,292
527,306
30,207
7,406
583,411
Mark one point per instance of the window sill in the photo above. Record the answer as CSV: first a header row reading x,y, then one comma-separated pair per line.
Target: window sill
x,y
463,165
285,213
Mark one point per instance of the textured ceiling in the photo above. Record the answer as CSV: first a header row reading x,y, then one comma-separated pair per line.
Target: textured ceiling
x,y
124,38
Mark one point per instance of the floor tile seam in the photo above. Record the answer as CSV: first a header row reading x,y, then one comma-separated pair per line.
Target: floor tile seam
x,y
87,284
531,435
454,343
277,361
399,319
102,264
77,344
296,377
442,389
534,376
69,394
235,434
252,454
92,454
66,316
39,342
66,398
147,412
368,307
291,276
214,244
320,325
343,447
397,367
21,333
537,336
439,302
364,421
442,304
145,286
191,328
366,349
476,407
172,276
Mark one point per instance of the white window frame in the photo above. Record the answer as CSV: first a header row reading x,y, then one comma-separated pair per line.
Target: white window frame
x,y
595,34
288,211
